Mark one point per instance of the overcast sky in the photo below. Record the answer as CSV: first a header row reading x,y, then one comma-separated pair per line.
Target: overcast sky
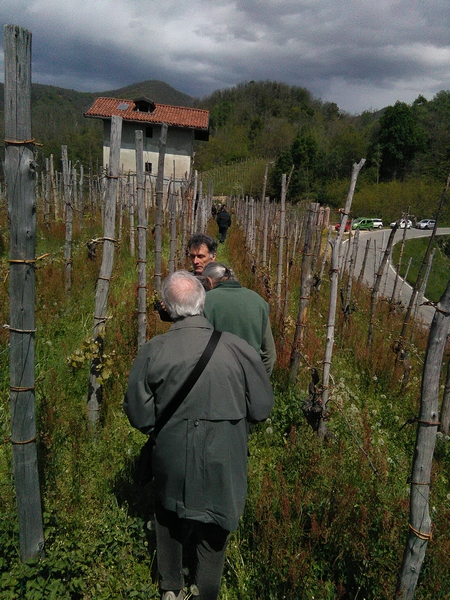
x,y
361,54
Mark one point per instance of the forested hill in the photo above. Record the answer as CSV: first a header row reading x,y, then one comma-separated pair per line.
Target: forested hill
x,y
57,116
289,126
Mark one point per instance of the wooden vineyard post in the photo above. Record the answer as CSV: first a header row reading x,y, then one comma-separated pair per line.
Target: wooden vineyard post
x,y
419,532
399,265
363,266
347,297
173,231
324,258
20,179
445,408
376,287
334,283
423,287
305,290
81,198
281,242
102,288
142,240
265,232
159,208
69,220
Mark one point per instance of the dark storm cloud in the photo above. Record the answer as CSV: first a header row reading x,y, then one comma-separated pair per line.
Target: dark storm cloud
x,y
359,54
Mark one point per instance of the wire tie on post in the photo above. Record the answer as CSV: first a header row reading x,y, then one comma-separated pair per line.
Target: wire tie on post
x,y
435,423
20,142
420,534
24,442
19,330
13,388
26,261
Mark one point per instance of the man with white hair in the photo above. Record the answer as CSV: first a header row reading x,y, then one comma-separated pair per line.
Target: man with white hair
x,y
200,455
231,307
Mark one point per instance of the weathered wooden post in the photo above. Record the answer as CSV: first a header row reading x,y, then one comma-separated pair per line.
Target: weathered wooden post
x,y
305,290
142,240
20,177
334,282
159,208
324,259
69,220
130,195
81,198
419,532
376,287
363,266
445,408
399,265
351,273
281,241
423,287
173,232
102,289
47,193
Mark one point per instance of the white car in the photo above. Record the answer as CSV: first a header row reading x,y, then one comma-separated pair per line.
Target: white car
x,y
377,223
426,224
403,223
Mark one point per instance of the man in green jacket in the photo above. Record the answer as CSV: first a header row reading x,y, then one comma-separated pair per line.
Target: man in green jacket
x,y
200,455
231,307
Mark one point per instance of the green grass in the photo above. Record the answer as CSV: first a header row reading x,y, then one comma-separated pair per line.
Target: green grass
x,y
319,521
440,270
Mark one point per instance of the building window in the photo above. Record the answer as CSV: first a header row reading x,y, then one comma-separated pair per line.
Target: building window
x,y
149,132
148,167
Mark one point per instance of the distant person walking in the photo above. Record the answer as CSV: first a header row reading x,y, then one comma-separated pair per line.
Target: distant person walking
x,y
231,307
223,220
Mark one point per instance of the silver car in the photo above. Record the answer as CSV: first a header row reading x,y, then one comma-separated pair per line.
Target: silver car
x,y
426,224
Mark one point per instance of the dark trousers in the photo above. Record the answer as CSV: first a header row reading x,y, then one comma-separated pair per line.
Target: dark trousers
x,y
211,543
222,233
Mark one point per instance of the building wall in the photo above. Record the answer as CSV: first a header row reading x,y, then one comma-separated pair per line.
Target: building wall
x,y
179,148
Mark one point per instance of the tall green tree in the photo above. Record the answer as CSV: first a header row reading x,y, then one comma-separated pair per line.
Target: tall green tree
x,y
400,138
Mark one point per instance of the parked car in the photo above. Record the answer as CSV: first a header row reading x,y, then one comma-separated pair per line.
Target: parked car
x,y
403,223
426,224
348,226
377,223
366,223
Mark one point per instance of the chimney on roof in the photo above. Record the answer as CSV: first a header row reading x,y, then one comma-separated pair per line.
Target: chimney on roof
x,y
143,104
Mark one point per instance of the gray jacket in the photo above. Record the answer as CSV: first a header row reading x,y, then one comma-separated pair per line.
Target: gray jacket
x,y
200,457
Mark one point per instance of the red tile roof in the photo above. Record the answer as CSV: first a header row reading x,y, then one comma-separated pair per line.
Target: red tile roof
x,y
178,116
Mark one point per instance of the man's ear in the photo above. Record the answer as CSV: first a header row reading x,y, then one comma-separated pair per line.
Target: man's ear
x,y
211,282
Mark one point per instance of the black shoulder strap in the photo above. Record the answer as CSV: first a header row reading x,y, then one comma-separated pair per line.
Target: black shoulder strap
x,y
187,386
